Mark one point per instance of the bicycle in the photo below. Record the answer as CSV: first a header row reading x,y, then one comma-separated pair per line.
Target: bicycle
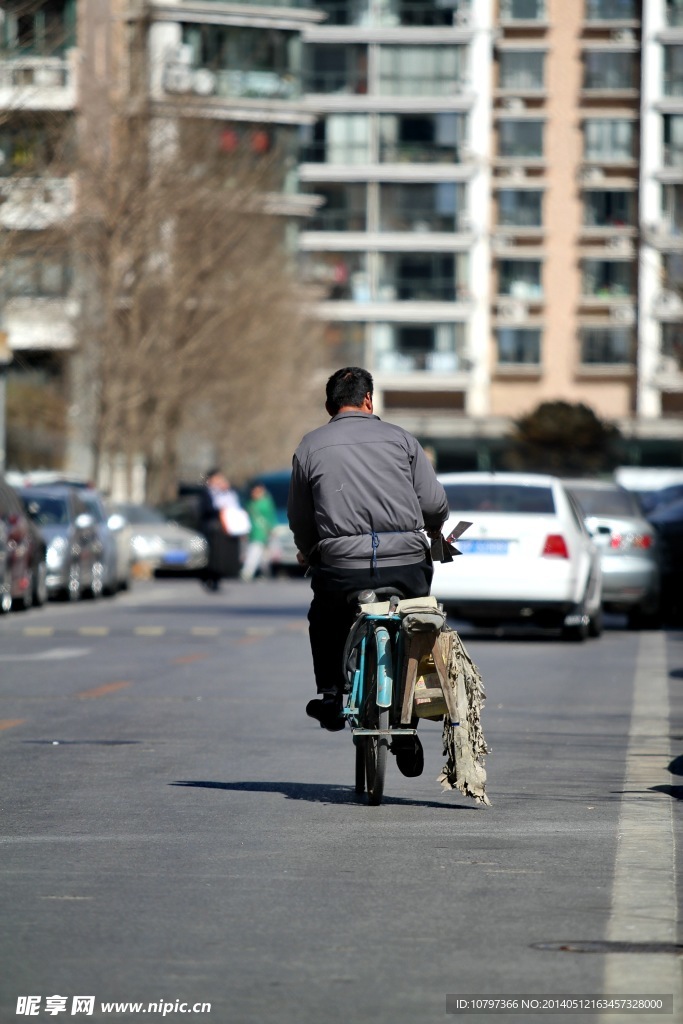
x,y
381,680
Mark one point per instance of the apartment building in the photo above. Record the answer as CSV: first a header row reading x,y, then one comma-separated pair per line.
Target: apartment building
x,y
488,193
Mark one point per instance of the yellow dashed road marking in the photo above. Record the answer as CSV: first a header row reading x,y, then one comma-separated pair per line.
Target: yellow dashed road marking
x,y
39,630
205,630
102,691
94,631
149,630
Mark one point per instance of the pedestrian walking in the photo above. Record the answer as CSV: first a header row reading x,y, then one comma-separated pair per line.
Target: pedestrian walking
x,y
263,518
222,521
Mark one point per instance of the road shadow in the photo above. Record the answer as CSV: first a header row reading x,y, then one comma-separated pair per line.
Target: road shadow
x,y
673,791
316,793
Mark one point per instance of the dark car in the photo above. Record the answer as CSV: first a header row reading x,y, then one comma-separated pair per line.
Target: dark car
x,y
668,522
74,549
25,551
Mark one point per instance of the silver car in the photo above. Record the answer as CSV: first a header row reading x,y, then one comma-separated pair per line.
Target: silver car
x,y
628,547
162,545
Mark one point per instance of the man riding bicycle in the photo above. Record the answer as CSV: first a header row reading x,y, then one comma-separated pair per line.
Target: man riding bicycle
x,y
361,493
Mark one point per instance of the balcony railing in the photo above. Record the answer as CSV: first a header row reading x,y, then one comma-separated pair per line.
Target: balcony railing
x,y
35,73
256,84
673,84
407,360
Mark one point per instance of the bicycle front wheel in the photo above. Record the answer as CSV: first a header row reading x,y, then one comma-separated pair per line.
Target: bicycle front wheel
x,y
360,765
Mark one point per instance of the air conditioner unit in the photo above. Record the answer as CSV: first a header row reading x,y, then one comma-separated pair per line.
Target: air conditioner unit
x,y
465,154
48,77
624,315
515,173
182,54
591,175
668,302
464,222
513,310
619,244
514,103
623,35
178,78
668,366
204,82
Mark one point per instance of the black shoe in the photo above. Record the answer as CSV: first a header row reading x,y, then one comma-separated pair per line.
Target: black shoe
x,y
409,755
327,711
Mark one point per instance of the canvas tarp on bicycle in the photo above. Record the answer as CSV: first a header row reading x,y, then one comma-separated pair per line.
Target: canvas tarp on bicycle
x,y
441,680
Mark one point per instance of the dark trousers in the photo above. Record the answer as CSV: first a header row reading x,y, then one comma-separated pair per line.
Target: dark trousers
x,y
331,614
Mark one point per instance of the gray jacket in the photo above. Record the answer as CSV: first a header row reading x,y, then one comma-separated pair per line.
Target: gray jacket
x,y
360,493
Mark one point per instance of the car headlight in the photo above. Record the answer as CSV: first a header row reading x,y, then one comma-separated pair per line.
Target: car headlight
x,y
56,552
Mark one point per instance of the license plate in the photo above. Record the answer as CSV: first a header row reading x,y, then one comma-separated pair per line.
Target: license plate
x,y
176,557
483,547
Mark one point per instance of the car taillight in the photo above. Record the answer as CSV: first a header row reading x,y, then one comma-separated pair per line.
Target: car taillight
x,y
555,546
641,541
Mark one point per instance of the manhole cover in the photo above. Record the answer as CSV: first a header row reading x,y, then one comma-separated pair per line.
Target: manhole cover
x,y
670,948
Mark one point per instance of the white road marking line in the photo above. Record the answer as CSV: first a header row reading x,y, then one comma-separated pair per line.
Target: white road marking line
x,y
644,889
55,654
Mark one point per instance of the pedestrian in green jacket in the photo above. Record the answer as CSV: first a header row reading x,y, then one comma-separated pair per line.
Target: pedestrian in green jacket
x,y
261,509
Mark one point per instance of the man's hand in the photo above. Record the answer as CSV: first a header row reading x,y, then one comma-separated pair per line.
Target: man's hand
x,y
301,559
434,533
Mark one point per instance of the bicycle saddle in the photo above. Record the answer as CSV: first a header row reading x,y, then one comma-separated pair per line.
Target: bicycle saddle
x,y
371,596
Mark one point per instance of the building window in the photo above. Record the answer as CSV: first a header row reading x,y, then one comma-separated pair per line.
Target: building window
x,y
520,139
36,277
606,345
337,139
673,70
522,10
420,70
337,69
428,348
241,61
342,276
673,140
520,279
388,13
519,345
674,13
520,208
423,207
607,279
611,10
672,345
607,209
672,208
343,209
44,29
609,141
609,69
31,149
673,272
421,138
521,69
422,277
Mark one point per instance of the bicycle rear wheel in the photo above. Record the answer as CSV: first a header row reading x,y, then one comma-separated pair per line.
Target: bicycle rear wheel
x,y
374,717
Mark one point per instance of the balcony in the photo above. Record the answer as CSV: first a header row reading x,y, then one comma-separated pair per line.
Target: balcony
x,y
608,281
35,204
601,11
37,83
518,348
182,79
607,346
41,323
520,13
399,349
520,280
613,74
383,14
609,141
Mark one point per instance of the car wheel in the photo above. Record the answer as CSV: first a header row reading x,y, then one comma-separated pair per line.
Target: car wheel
x,y
40,594
596,624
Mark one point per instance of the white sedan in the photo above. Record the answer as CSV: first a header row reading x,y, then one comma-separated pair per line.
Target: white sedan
x,y
527,556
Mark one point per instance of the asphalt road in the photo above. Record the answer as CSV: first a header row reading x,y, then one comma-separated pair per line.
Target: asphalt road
x,y
175,830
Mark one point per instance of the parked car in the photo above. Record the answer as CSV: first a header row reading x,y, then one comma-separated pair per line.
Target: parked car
x,y
25,551
115,571
527,556
5,586
653,486
74,549
668,522
629,552
164,545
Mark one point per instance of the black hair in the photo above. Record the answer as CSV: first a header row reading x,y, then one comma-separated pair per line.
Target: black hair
x,y
348,386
